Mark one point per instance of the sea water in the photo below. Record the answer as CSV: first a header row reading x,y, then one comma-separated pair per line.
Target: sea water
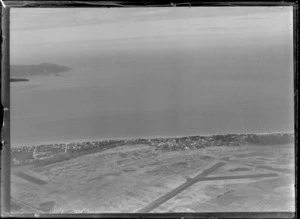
x,y
155,93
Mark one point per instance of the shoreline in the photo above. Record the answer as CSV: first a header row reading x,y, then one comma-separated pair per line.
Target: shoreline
x,y
37,143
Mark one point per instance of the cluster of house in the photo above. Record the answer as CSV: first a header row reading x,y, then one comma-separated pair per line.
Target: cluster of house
x,y
27,154
193,142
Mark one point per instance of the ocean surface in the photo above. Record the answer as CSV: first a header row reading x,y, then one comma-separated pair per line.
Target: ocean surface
x,y
156,93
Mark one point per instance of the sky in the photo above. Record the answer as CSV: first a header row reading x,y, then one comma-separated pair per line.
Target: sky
x,y
60,32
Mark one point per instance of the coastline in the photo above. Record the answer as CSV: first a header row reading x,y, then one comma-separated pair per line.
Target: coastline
x,y
83,140
44,154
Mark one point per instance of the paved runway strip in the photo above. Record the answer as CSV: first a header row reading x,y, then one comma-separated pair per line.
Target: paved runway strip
x,y
237,177
179,189
200,177
30,178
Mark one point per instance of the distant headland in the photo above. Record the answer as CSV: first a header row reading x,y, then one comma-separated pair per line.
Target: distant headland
x,y
19,72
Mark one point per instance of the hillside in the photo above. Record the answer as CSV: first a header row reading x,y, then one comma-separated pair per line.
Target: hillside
x,y
32,70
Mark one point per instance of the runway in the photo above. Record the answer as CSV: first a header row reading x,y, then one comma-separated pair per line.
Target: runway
x,y
30,178
198,178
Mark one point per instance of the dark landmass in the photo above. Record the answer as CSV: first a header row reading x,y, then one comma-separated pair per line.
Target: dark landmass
x,y
18,79
41,155
33,70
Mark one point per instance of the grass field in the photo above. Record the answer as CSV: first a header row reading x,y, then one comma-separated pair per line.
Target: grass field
x,y
131,177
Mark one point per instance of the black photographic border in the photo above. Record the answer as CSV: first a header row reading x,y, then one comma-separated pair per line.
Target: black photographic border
x,y
5,99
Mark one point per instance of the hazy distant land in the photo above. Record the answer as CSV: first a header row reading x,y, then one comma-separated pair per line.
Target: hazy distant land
x,y
19,72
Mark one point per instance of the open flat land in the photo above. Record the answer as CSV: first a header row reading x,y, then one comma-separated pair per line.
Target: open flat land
x,y
140,178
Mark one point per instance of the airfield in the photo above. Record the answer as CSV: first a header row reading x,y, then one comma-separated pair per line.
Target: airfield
x,y
141,179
